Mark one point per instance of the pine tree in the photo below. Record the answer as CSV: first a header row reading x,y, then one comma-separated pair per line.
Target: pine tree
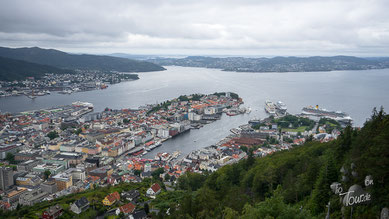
x,y
332,172
321,192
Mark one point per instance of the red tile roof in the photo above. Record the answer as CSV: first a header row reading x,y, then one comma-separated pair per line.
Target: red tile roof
x,y
113,196
127,208
155,187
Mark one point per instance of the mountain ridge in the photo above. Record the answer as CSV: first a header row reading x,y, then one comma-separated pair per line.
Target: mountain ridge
x,y
60,59
278,63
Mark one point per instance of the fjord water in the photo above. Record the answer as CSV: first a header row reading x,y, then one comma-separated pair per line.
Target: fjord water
x,y
354,92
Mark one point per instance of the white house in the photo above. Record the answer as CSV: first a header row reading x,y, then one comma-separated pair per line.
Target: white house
x,y
154,190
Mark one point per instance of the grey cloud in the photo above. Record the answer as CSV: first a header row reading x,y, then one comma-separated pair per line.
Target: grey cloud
x,y
301,27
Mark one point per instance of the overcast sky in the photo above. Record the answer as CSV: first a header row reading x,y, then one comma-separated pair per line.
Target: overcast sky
x,y
195,27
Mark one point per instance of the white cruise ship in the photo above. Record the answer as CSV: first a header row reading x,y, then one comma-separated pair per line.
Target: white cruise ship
x,y
281,107
270,107
85,104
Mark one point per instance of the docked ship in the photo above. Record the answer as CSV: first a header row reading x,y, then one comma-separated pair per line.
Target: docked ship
x,y
320,112
270,107
152,145
281,108
136,151
232,112
83,104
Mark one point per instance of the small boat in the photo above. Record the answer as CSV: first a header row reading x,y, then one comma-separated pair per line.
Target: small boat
x,y
66,92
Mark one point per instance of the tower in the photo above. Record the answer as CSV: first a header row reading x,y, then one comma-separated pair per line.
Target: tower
x,y
6,178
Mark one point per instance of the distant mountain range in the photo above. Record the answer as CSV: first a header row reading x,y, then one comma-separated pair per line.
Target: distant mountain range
x,y
277,64
12,69
18,63
133,56
62,60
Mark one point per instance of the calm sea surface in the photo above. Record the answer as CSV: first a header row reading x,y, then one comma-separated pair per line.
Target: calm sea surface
x,y
354,92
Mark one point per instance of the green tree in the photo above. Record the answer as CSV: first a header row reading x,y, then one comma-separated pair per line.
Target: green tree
x,y
191,181
137,172
183,98
332,172
229,213
345,141
52,135
156,173
10,158
321,193
78,131
186,204
47,174
167,177
274,207
250,159
147,208
206,203
309,138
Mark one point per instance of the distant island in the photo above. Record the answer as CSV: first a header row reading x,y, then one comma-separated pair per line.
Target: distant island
x,y
19,63
277,64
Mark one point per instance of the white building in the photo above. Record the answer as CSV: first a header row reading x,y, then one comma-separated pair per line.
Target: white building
x,y
154,190
210,110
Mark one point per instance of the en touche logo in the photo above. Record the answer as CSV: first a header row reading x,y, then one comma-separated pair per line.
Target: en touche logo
x,y
355,194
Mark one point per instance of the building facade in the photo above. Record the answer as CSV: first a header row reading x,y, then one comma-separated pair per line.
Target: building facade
x,y
6,178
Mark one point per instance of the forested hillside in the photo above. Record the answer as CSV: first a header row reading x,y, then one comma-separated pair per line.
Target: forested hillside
x,y
64,60
12,69
290,184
